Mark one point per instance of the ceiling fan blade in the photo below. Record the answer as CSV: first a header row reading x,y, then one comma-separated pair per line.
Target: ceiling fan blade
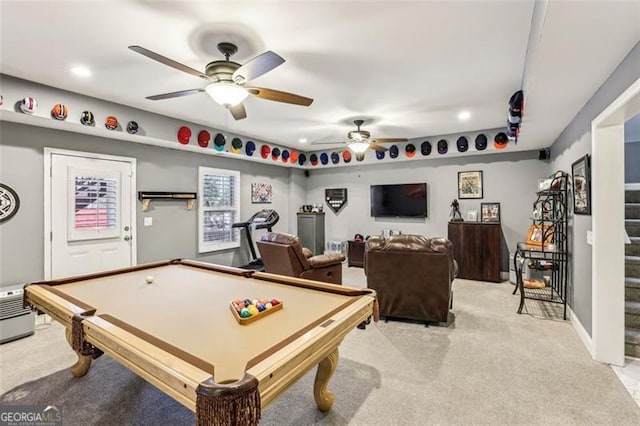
x,y
378,147
383,140
170,62
174,94
278,96
257,66
238,112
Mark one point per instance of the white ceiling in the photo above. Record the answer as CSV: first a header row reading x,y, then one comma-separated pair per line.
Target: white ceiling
x,y
408,68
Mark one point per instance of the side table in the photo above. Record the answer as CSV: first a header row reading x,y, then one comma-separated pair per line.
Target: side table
x,y
355,253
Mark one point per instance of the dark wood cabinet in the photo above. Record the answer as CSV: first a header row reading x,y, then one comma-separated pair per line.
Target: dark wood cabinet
x,y
356,253
476,248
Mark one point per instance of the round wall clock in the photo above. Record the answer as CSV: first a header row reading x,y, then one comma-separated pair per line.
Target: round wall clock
x,y
9,202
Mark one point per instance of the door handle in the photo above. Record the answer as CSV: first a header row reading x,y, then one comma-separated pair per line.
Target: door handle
x,y
127,237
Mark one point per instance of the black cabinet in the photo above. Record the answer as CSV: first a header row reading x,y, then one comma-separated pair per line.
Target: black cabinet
x,y
476,249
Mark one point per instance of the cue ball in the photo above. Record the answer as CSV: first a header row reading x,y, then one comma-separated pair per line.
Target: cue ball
x,y
149,279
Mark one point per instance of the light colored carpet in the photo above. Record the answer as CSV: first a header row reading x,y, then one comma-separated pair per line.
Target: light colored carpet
x,y
492,366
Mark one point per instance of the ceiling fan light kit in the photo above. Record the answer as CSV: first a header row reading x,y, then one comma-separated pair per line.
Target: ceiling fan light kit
x,y
358,147
227,94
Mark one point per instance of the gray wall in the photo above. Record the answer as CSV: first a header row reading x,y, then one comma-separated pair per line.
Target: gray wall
x,y
573,143
509,178
174,230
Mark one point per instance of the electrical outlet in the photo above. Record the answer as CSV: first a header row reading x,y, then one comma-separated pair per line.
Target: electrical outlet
x,y
148,221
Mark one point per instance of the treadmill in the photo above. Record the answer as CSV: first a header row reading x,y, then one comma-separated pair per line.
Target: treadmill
x,y
264,219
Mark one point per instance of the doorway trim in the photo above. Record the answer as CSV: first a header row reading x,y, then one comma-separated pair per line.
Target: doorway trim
x,y
607,269
48,152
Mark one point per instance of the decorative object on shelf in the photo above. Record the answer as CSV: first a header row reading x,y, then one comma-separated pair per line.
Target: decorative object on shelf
x,y
336,198
250,148
147,196
462,144
472,215
59,112
285,155
132,127
184,134
425,148
28,105
111,122
203,138
265,150
490,212
236,145
219,141
455,215
335,158
1,100
410,150
261,192
9,202
500,141
87,119
540,235
581,171
470,185
481,142
442,146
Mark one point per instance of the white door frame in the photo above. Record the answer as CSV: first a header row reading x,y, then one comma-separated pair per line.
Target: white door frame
x,y
607,269
48,152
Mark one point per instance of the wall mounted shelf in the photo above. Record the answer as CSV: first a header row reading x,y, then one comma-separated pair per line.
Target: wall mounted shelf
x,y
147,196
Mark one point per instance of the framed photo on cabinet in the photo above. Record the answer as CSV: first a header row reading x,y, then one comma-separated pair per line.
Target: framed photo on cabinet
x,y
490,212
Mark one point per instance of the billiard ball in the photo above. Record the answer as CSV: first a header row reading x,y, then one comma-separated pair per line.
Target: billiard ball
x,y
149,279
244,313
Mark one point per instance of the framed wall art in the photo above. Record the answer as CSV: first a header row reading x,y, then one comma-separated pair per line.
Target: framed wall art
x,y
470,185
581,172
490,212
261,192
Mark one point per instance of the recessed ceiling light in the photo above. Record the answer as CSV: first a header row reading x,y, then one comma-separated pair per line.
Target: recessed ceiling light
x,y
302,140
464,115
81,71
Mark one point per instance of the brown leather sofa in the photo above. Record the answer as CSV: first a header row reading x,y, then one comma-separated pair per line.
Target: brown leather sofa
x,y
283,254
412,276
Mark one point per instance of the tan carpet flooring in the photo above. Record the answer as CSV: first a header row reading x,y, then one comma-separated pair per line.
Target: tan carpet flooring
x,y
491,366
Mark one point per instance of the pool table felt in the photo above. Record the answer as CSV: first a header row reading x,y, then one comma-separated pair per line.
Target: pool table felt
x,y
188,308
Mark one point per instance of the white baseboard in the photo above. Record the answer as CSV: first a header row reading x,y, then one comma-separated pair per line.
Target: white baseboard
x,y
581,332
632,186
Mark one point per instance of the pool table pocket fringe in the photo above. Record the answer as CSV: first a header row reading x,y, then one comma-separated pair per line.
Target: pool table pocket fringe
x,y
233,404
77,339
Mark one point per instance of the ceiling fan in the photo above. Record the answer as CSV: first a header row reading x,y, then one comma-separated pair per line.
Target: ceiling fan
x,y
359,140
227,79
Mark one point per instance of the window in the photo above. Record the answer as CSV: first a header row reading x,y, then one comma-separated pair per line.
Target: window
x,y
219,209
93,204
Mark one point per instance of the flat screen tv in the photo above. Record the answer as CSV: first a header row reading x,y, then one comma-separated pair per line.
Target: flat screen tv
x,y
401,200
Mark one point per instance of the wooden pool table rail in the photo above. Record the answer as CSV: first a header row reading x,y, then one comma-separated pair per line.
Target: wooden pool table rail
x,y
181,379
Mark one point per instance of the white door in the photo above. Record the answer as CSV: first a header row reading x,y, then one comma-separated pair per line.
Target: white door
x,y
91,215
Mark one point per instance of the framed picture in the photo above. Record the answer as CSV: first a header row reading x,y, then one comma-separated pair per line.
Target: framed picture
x,y
537,233
490,212
261,192
581,171
472,215
470,184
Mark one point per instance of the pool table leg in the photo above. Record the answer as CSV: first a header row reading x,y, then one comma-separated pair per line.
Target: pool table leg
x,y
326,367
81,366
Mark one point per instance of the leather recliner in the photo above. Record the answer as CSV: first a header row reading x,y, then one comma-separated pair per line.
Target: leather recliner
x,y
412,276
284,255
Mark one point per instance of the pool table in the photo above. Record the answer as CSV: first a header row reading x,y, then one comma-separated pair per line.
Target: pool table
x,y
179,333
